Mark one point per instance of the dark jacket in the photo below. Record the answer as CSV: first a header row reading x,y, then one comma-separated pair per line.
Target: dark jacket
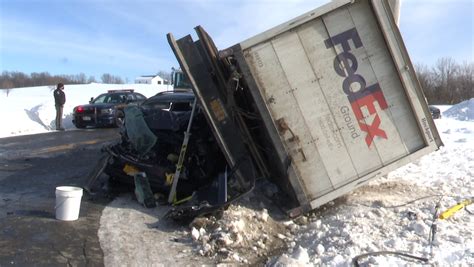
x,y
59,97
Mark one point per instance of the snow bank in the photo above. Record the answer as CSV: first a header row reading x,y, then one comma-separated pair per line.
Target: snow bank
x,y
31,110
463,111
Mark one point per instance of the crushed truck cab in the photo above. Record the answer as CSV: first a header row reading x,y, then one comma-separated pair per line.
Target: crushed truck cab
x,y
320,104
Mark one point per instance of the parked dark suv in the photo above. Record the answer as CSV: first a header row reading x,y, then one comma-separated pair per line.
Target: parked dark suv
x,y
435,112
173,101
106,109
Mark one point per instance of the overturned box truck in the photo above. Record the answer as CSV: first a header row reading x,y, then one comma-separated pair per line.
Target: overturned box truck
x,y
320,105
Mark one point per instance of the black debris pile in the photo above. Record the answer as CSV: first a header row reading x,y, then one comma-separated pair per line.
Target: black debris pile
x,y
153,145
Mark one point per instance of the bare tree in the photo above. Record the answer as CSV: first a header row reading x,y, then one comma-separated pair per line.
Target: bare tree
x,y
444,73
426,81
447,82
117,80
465,81
108,78
166,75
19,79
91,79
81,78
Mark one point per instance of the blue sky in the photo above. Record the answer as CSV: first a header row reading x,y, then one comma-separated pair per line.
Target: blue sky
x,y
128,38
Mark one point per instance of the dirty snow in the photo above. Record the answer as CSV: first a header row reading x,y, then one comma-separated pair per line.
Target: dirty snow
x,y
393,213
462,111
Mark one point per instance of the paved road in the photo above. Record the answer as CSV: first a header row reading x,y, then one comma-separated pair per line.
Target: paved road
x,y
30,169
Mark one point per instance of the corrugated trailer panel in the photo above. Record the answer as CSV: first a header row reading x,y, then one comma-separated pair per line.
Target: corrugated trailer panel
x,y
297,136
313,107
350,44
304,94
313,36
407,75
399,111
334,83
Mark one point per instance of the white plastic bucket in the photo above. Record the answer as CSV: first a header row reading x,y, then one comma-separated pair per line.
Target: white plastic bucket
x,y
68,202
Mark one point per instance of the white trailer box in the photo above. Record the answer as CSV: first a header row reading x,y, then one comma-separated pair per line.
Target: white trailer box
x,y
334,94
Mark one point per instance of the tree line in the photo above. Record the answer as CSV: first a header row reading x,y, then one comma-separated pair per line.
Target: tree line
x,y
447,82
16,79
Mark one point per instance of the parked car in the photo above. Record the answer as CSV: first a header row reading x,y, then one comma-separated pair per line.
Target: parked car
x,y
106,109
177,100
435,112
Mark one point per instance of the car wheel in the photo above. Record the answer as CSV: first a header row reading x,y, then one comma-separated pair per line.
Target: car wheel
x,y
80,126
119,118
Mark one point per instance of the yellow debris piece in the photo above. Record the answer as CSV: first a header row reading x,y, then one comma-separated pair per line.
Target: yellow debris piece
x,y
451,211
168,178
130,170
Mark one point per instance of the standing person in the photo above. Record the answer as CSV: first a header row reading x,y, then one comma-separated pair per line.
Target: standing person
x,y
59,100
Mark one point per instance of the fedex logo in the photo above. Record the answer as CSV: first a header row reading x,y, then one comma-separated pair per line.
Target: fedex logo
x,y
345,65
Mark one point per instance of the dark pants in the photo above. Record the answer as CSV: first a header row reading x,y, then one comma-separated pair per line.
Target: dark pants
x,y
59,116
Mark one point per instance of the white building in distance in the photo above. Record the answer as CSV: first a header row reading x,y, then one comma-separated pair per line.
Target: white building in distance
x,y
150,79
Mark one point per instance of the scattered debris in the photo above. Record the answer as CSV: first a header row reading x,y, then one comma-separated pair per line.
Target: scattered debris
x,y
241,235
152,139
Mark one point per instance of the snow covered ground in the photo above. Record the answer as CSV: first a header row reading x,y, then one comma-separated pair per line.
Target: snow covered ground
x,y
31,110
394,213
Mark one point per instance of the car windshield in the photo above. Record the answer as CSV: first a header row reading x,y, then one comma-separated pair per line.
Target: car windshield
x,y
110,99
433,108
181,105
170,101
